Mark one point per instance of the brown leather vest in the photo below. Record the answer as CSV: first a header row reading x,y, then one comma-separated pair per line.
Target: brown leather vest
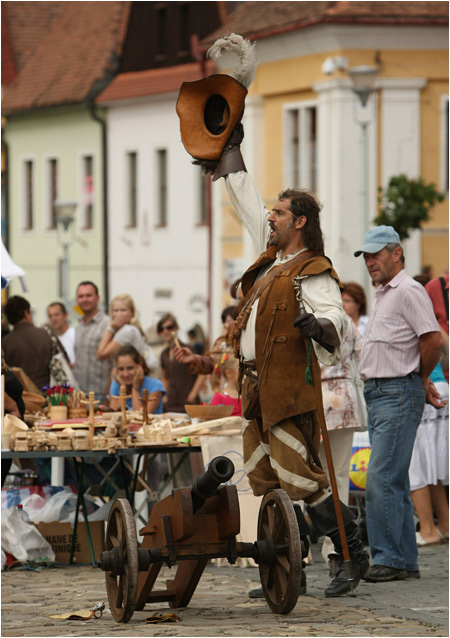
x,y
281,357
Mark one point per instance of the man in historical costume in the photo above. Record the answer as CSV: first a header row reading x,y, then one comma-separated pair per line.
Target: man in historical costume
x,y
278,347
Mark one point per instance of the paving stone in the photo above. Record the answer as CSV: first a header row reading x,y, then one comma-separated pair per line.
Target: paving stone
x,y
221,607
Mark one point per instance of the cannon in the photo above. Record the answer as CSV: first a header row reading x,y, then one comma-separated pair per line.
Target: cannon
x,y
188,528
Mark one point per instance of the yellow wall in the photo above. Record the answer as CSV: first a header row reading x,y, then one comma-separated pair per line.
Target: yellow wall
x,y
281,82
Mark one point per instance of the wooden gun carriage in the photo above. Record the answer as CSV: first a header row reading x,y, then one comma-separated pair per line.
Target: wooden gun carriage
x,y
190,527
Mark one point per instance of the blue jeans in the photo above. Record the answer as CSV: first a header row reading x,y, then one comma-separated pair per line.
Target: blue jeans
x,y
394,409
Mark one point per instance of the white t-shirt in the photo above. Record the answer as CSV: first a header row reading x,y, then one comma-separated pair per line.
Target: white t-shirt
x,y
68,341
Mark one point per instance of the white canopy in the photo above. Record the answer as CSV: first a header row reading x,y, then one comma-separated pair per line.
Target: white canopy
x,y
10,270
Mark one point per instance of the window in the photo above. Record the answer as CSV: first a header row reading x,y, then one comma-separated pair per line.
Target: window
x,y
162,187
184,35
161,32
301,147
132,190
87,196
28,220
53,191
444,144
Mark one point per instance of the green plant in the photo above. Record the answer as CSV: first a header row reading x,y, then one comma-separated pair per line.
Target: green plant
x,y
405,203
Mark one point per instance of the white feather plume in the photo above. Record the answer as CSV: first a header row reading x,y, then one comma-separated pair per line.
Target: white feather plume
x,y
245,72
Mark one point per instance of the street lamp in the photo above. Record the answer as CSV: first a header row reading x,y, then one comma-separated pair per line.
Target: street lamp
x,y
65,216
363,79
363,84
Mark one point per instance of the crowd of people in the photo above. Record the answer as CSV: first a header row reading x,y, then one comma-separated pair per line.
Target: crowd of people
x,y
296,350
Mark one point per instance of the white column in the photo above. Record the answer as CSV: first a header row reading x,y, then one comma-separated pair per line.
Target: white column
x,y
400,143
340,178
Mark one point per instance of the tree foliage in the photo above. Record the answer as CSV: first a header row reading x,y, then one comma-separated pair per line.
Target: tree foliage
x,y
406,203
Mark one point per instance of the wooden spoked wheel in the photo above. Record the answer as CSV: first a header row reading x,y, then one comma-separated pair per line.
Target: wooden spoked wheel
x,y
278,528
122,579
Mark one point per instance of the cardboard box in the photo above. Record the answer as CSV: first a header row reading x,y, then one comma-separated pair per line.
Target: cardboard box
x,y
60,535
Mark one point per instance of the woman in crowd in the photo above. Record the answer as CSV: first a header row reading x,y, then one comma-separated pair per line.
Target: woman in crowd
x,y
180,385
428,471
342,416
123,329
354,302
132,372
224,380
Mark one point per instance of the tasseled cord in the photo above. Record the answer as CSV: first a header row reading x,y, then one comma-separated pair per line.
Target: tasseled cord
x,y
308,371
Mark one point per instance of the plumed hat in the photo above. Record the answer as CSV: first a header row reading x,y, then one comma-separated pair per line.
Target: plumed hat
x,y
209,109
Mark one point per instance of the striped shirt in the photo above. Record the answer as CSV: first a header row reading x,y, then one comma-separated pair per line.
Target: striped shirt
x,y
402,312
91,374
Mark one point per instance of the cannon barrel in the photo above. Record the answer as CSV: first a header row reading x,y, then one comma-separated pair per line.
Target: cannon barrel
x,y
220,470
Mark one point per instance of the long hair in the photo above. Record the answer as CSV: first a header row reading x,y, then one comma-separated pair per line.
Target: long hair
x,y
168,316
304,203
128,301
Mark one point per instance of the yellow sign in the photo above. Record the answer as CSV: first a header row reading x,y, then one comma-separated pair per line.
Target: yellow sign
x,y
358,468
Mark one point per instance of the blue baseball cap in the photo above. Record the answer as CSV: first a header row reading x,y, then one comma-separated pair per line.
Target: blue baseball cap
x,y
377,238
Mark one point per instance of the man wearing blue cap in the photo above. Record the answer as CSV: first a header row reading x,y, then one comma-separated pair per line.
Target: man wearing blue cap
x,y
402,345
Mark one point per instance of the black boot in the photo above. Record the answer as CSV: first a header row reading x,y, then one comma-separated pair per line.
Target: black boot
x,y
323,517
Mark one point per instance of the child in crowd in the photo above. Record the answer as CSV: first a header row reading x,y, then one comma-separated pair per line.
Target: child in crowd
x,y
132,372
224,381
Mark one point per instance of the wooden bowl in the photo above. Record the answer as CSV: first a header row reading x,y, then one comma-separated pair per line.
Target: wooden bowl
x,y
13,424
33,402
208,412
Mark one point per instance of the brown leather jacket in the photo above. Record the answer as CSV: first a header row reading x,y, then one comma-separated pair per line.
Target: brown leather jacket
x,y
281,354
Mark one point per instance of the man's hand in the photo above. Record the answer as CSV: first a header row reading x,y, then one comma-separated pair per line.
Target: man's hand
x,y
184,355
432,396
231,160
308,326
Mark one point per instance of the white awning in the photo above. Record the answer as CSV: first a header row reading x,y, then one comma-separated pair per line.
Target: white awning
x,y
10,270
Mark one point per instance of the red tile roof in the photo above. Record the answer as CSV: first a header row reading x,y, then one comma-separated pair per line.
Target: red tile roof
x,y
27,23
152,81
72,57
257,20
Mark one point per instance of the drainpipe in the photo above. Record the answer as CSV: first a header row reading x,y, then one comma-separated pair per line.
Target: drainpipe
x,y
5,191
97,118
199,56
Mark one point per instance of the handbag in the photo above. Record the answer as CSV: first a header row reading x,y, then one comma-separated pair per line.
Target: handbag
x,y
61,372
359,389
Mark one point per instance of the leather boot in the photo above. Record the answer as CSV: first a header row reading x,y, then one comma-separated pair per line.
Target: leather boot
x,y
323,517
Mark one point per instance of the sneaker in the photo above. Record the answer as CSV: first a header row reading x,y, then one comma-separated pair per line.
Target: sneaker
x,y
412,574
383,574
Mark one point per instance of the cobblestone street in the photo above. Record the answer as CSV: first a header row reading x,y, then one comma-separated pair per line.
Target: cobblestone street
x,y
221,607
